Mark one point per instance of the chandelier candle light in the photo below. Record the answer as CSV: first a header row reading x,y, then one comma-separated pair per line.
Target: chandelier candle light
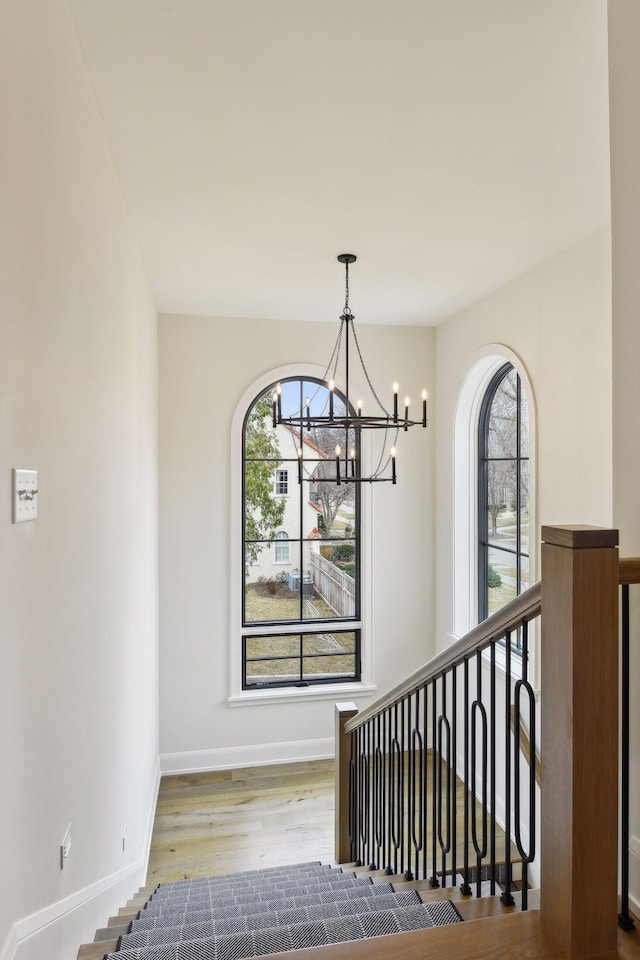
x,y
340,418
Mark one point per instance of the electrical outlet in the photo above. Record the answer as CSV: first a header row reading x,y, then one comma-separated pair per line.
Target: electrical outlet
x,y
65,846
124,838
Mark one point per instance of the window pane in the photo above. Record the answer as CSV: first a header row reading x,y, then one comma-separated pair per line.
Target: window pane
x,y
275,597
524,423
259,434
501,579
328,667
503,418
329,654
524,506
259,648
272,500
501,503
331,570
272,660
330,643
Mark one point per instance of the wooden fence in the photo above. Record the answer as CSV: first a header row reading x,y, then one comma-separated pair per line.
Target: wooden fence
x,y
335,586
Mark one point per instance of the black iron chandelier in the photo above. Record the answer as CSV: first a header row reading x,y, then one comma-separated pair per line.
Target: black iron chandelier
x,y
339,419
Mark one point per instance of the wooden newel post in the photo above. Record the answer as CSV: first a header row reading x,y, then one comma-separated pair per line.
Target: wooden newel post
x,y
579,717
344,712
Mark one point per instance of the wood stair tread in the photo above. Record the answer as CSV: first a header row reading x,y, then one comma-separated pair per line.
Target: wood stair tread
x,y
97,949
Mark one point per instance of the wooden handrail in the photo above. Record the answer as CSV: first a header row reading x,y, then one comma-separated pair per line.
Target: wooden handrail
x,y
629,570
520,610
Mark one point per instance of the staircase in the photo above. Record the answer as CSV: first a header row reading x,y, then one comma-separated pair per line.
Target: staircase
x,y
261,912
383,810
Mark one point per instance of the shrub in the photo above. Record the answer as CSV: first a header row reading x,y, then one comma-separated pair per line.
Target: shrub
x,y
343,553
493,577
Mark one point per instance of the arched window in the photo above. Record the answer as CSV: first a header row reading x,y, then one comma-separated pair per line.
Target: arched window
x,y
503,492
281,545
301,624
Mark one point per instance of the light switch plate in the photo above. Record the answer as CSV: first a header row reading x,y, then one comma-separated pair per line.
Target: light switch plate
x,y
25,495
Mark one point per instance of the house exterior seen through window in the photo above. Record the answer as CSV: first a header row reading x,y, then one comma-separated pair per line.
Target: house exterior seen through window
x,y
503,492
301,547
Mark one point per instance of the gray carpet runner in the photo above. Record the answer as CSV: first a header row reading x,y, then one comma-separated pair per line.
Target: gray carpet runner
x,y
271,911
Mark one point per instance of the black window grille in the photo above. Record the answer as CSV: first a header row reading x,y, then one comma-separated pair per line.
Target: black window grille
x,y
301,588
503,493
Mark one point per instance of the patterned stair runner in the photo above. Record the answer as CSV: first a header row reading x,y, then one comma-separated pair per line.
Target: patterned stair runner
x,y
270,911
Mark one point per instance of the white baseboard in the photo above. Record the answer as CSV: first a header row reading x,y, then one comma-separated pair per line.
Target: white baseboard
x,y
58,929
253,755
634,875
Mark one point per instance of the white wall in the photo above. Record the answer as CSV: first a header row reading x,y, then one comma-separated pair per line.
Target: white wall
x,y
557,320
78,586
205,366
624,83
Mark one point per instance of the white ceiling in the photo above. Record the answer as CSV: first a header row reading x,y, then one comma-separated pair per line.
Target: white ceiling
x,y
450,144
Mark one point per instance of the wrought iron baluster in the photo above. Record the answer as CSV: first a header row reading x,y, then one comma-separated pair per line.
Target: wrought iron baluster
x,y
425,728
417,749
506,897
401,765
390,794
478,708
464,886
396,757
410,798
624,918
353,797
359,804
433,879
453,765
378,777
444,789
492,777
525,855
370,798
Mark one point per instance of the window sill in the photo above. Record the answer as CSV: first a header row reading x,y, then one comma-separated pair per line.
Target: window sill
x,y
329,691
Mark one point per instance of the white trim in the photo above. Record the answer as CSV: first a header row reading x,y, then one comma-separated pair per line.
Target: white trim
x,y
254,389
77,916
325,691
251,755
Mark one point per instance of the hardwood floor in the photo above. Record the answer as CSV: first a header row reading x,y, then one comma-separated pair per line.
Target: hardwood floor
x,y
230,820
224,821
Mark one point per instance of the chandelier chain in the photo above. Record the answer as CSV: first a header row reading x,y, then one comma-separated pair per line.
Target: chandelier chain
x,y
366,372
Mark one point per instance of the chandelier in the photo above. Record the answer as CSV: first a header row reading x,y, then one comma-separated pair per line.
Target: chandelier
x,y
338,419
